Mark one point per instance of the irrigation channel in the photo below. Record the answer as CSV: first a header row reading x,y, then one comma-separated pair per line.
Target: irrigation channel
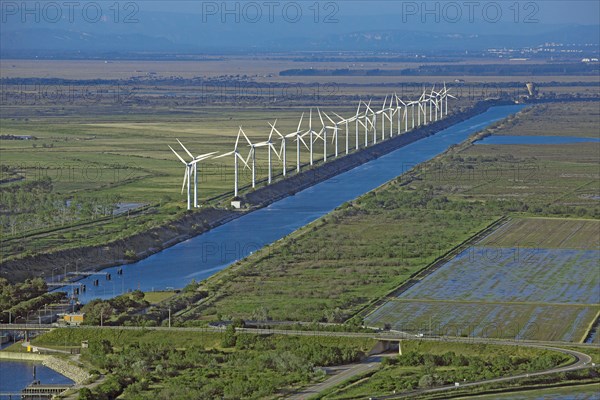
x,y
204,255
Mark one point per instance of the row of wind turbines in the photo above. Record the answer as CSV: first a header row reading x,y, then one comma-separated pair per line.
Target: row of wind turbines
x,y
431,106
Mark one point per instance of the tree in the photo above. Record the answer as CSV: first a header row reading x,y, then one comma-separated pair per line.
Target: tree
x,y
85,394
229,338
426,381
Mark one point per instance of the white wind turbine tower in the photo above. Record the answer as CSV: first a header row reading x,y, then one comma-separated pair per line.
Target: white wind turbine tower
x,y
372,122
383,112
269,144
335,128
324,137
191,168
311,134
431,102
186,178
391,111
389,116
356,119
347,122
298,137
436,98
236,155
446,95
251,154
282,150
437,102
422,110
399,106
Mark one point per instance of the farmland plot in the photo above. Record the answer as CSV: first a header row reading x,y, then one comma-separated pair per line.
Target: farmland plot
x,y
507,292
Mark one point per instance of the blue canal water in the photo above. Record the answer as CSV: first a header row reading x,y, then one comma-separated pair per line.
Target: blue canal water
x,y
202,256
15,376
535,140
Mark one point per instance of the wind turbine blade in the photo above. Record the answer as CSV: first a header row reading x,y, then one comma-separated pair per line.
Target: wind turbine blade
x,y
178,156
299,137
248,158
274,150
186,150
226,154
185,176
342,119
300,123
242,159
237,140
321,117
205,156
247,140
327,116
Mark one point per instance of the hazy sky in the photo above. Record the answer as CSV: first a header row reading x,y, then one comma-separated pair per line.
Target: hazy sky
x,y
545,11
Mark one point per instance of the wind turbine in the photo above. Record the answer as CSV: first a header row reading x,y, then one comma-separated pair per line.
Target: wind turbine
x,y
269,144
191,168
324,137
422,110
282,150
387,116
335,128
346,121
446,95
356,119
434,99
400,116
372,122
392,110
252,154
236,154
431,103
311,132
298,137
186,178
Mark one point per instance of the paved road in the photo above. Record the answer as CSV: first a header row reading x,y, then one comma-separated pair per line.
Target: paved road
x,y
340,374
582,360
